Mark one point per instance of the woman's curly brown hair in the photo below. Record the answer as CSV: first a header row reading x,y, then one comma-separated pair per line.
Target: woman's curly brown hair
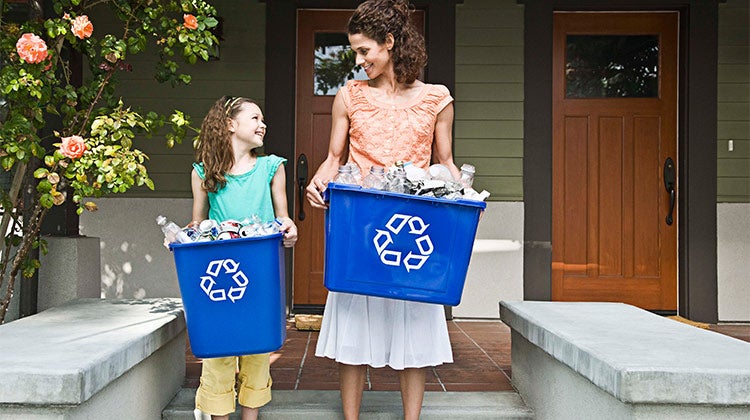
x,y
377,18
214,148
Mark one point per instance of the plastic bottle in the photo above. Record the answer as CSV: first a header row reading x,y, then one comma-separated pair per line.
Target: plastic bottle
x,y
441,172
355,172
397,180
375,179
414,173
172,232
467,175
345,176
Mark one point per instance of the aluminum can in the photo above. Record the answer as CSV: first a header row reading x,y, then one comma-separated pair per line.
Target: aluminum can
x,y
230,226
227,235
209,228
205,238
248,231
192,233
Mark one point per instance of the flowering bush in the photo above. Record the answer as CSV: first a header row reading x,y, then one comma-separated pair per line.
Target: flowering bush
x,y
64,138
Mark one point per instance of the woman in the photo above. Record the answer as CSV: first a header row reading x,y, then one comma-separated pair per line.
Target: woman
x,y
390,117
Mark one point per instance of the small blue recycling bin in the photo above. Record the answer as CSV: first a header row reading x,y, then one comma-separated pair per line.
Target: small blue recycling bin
x,y
398,246
234,295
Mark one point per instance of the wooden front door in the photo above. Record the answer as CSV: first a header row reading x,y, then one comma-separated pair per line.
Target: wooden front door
x,y
313,130
614,136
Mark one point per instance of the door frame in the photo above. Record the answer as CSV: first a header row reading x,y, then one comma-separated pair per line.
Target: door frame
x,y
697,124
280,84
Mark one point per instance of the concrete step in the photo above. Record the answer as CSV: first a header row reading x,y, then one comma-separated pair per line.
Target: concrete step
x,y
376,405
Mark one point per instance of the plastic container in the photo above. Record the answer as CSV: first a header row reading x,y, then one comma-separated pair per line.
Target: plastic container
x,y
234,295
398,246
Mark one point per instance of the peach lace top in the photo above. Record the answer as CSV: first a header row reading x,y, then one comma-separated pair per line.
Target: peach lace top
x,y
382,133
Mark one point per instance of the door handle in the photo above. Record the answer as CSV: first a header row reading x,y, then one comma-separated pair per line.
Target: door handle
x,y
669,185
301,182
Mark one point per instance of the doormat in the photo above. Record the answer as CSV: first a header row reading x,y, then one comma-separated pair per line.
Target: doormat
x,y
305,322
689,322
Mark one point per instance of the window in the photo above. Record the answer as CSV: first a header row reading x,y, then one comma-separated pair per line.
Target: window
x,y
612,66
334,63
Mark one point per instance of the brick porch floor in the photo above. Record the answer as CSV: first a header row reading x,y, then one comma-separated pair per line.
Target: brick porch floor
x,y
481,354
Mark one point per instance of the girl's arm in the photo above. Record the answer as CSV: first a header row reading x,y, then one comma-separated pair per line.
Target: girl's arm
x,y
337,152
200,199
278,196
441,148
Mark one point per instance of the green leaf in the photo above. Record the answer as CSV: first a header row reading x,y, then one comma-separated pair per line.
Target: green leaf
x,y
46,201
52,110
44,186
41,173
7,162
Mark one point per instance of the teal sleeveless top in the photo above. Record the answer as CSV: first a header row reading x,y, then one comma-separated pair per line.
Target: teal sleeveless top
x,y
246,194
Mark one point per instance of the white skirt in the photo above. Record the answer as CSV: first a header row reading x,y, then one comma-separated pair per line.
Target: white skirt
x,y
367,330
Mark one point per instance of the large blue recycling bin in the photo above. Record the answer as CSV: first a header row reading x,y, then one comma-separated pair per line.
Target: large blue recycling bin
x,y
398,246
234,294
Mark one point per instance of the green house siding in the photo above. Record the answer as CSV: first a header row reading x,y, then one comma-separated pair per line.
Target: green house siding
x,y
240,71
488,91
489,95
733,167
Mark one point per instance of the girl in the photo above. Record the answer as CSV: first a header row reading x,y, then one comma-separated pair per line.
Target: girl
x,y
231,181
390,117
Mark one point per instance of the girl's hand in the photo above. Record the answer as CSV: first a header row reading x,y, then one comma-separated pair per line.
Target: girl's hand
x,y
290,231
314,196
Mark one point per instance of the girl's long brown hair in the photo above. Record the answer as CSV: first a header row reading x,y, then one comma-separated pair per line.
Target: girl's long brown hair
x,y
214,148
377,18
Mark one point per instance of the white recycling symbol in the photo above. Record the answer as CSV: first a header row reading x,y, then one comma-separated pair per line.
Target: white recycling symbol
x,y
417,227
230,267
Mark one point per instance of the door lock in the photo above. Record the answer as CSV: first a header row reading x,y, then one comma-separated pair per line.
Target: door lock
x,y
669,185
301,182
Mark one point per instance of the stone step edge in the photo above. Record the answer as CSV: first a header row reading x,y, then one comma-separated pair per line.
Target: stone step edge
x,y
498,402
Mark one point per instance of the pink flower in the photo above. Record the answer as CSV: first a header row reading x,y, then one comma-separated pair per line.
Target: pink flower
x,y
31,48
190,21
82,27
73,147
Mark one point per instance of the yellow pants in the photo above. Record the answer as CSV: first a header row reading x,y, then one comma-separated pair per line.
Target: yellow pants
x,y
216,394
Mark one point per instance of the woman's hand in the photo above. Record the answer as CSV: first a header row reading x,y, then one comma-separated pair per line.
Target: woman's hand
x,y
289,229
314,190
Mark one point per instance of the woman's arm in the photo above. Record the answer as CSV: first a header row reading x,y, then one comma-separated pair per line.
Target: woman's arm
x,y
278,196
337,152
200,199
442,147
